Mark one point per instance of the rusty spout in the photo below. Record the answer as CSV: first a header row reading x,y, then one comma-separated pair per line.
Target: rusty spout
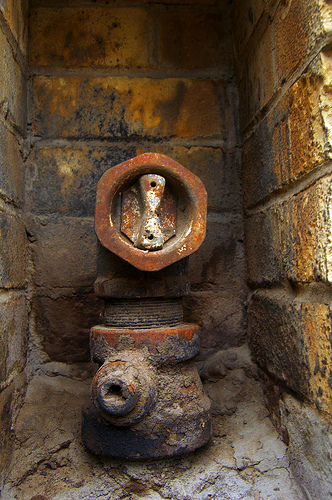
x,y
124,388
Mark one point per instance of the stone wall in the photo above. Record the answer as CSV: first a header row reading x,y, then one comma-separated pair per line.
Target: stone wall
x,y
109,81
13,256
284,66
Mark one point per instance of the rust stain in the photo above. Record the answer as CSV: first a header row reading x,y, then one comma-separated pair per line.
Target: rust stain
x,y
117,363
149,338
190,388
131,388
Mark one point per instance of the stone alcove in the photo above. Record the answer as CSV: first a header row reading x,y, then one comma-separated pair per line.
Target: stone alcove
x,y
238,92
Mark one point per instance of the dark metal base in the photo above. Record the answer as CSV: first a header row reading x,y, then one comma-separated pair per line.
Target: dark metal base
x,y
181,435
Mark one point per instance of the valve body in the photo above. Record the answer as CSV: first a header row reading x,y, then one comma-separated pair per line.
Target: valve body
x,y
147,399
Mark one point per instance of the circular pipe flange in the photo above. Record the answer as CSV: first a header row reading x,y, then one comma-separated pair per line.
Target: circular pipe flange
x,y
164,345
124,388
186,234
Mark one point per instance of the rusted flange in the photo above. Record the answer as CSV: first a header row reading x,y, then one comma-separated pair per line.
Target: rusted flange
x,y
190,211
165,345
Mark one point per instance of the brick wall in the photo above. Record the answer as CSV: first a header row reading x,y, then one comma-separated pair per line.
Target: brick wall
x,y
284,66
109,82
13,274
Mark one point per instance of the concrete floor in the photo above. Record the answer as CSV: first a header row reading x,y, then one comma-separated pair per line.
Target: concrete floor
x,y
246,460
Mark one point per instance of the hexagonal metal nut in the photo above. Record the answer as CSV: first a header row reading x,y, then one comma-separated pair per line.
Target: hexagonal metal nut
x,y
190,219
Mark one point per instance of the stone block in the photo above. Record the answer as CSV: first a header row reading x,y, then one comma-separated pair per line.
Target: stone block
x,y
63,251
92,36
221,316
219,172
263,247
292,239
10,400
11,167
260,153
194,39
13,252
63,179
291,338
6,432
325,14
304,129
12,88
259,82
306,234
322,65
220,261
15,13
246,14
279,151
14,333
297,28
92,3
123,108
309,449
63,323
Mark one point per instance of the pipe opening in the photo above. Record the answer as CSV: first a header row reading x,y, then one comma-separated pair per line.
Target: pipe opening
x,y
114,395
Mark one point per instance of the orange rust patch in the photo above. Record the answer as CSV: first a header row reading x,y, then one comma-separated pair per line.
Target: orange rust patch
x,y
144,338
117,363
94,382
190,388
131,388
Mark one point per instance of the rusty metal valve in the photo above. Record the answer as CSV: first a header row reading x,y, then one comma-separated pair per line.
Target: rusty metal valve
x,y
147,399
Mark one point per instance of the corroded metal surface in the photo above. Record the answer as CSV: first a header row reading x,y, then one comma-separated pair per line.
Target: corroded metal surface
x,y
147,397
124,388
143,313
178,422
148,213
118,234
165,345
